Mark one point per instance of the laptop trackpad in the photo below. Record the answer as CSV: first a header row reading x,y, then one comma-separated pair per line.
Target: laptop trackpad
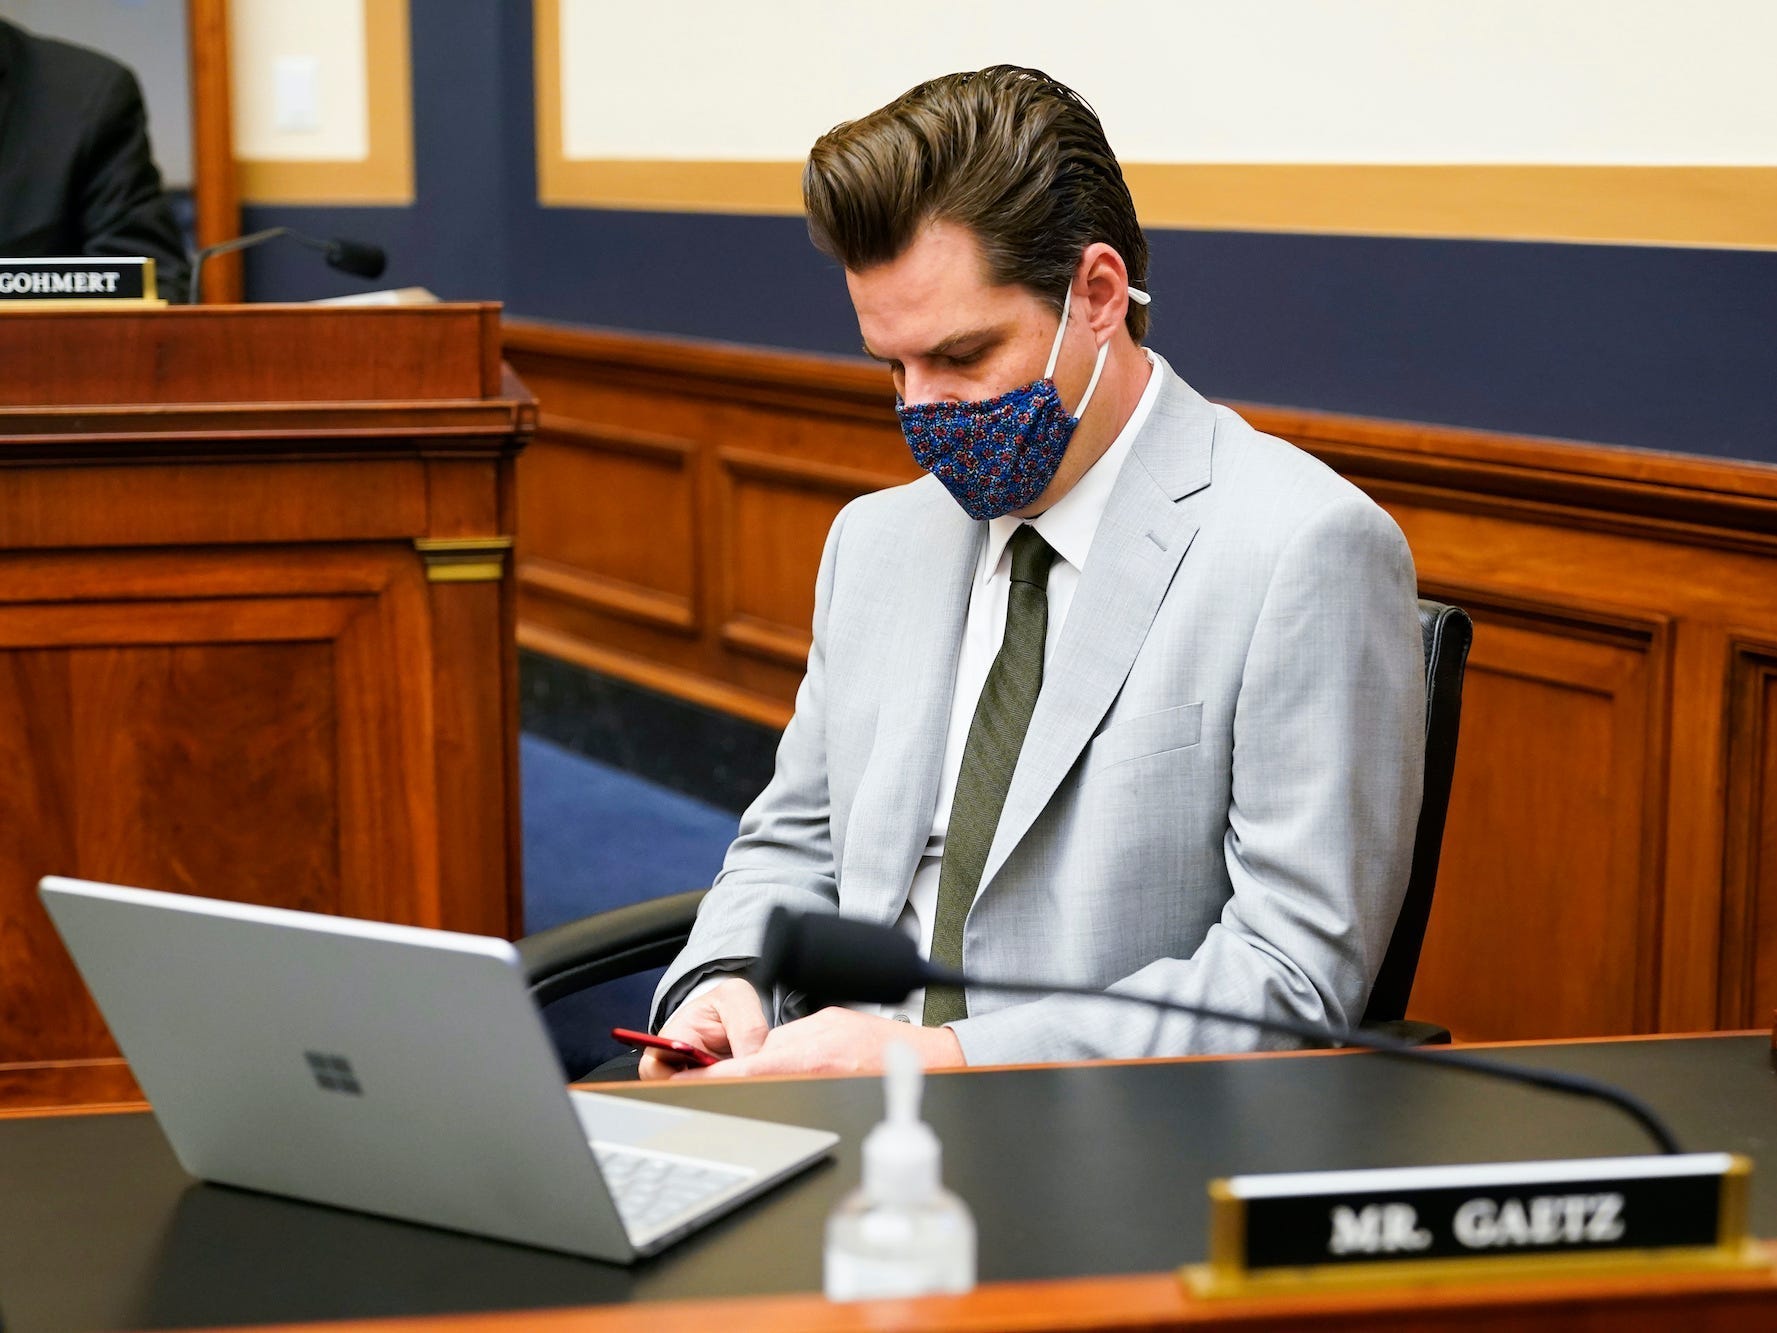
x,y
624,1119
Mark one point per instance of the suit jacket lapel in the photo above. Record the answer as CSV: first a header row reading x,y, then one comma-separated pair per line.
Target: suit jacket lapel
x,y
1140,541
927,575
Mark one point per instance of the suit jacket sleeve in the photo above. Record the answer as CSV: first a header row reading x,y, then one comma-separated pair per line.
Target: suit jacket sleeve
x,y
784,850
1326,783
122,208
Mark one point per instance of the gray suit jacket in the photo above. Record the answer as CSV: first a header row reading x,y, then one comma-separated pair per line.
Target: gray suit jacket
x,y
1217,795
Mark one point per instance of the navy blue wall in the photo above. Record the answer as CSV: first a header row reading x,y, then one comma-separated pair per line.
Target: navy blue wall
x,y
1661,348
452,239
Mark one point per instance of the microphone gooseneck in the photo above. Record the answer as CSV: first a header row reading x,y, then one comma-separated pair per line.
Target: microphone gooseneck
x,y
358,258
842,958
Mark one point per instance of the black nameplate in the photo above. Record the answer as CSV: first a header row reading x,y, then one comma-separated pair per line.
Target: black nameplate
x,y
1456,1221
76,280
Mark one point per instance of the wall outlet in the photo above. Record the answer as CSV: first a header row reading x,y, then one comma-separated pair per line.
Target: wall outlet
x,y
296,94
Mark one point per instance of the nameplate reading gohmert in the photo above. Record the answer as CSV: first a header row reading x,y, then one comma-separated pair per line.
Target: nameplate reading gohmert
x,y
40,283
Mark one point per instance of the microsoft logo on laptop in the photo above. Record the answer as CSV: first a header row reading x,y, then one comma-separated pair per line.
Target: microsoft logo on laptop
x,y
333,1073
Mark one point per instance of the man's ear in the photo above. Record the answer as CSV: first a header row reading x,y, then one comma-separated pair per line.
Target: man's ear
x,y
1106,279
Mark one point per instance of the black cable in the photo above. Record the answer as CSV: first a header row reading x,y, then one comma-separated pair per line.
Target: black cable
x,y
1574,1085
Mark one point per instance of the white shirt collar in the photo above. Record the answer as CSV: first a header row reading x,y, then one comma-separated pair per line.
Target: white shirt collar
x,y
1071,522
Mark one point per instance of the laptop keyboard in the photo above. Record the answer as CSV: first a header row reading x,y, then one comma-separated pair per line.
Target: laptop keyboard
x,y
652,1188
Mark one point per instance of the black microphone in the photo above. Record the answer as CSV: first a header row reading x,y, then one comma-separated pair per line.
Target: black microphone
x,y
358,258
842,958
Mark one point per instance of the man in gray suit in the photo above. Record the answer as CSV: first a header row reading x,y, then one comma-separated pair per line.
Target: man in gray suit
x,y
1124,695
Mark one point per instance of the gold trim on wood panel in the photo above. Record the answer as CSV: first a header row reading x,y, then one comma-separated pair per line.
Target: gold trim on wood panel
x,y
463,559
385,176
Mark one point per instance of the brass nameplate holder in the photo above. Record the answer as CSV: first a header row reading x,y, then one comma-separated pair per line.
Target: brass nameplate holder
x,y
1316,1230
77,284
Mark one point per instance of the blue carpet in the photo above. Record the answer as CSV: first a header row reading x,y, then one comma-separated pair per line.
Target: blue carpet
x,y
596,837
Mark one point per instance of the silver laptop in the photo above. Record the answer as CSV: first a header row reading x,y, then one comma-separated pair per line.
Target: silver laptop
x,y
397,1071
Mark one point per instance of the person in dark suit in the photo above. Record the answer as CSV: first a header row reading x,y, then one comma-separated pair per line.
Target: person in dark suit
x,y
76,173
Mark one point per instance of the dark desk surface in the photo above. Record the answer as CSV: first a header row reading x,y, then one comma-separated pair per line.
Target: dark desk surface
x,y
1071,1171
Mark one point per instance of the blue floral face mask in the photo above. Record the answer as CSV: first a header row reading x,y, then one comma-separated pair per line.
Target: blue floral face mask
x,y
999,454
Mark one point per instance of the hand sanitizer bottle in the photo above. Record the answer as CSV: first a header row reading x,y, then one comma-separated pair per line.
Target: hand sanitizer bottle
x,y
901,1233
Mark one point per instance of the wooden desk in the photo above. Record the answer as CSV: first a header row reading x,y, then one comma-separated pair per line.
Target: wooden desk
x,y
1087,1184
256,630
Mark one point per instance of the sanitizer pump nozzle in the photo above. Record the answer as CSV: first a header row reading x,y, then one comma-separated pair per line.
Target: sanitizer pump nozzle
x,y
901,1233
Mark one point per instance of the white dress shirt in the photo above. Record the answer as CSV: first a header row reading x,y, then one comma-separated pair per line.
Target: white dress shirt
x,y
1069,526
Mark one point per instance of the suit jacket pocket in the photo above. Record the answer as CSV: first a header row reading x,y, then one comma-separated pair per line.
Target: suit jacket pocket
x,y
1150,733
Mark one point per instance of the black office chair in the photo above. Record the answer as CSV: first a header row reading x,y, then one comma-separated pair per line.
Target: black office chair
x,y
626,940
1447,632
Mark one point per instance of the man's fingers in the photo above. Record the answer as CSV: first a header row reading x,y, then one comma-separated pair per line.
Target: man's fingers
x,y
653,1067
727,1020
743,1020
739,1067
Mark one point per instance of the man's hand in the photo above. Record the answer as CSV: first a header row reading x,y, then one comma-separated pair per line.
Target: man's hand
x,y
724,1020
837,1041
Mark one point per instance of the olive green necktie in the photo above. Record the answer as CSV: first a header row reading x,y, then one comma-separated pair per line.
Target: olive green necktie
x,y
991,753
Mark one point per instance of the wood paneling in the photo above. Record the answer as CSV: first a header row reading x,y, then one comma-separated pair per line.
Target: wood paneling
x,y
266,354
1608,866
772,518
248,748
1568,760
217,199
1654,1301
671,516
639,560
54,507
1749,923
241,660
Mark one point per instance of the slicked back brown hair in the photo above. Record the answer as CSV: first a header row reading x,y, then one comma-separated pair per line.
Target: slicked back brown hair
x,y
1009,153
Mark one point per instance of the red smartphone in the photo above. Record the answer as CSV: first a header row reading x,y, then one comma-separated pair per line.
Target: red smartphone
x,y
680,1053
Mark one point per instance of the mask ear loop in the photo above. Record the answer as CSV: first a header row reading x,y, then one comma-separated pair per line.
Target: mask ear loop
x,y
1135,294
1091,384
1061,328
